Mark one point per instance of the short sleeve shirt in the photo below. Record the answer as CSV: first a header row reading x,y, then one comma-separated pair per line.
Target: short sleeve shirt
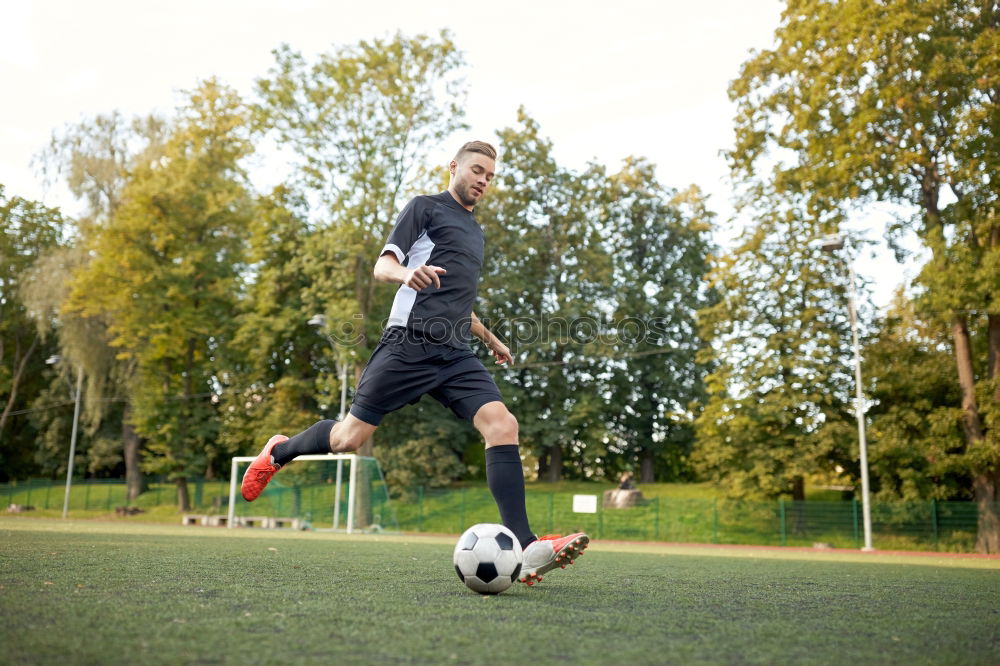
x,y
436,230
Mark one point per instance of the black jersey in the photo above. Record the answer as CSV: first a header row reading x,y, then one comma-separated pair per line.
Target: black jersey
x,y
438,231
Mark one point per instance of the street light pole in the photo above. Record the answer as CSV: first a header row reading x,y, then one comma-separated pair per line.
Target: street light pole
x,y
72,441
343,388
319,321
830,244
52,360
866,510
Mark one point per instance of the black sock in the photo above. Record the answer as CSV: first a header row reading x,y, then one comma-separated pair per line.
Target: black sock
x,y
314,440
505,478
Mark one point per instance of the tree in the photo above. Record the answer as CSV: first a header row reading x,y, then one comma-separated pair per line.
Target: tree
x,y
897,101
96,158
359,121
83,345
544,283
777,409
271,383
915,436
433,448
27,230
166,275
659,241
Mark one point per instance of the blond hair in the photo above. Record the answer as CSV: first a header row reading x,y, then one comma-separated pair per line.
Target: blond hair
x,y
480,147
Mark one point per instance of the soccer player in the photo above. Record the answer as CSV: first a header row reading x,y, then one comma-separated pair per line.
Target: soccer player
x,y
435,253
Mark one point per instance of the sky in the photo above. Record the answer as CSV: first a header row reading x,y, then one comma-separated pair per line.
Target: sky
x,y
604,80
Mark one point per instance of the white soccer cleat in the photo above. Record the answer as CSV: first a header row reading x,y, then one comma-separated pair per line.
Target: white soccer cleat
x,y
549,552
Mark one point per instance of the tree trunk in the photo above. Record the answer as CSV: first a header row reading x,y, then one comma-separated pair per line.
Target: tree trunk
x,y
798,508
543,466
134,483
798,489
987,488
183,498
19,365
985,484
364,508
647,473
994,354
972,425
555,463
364,513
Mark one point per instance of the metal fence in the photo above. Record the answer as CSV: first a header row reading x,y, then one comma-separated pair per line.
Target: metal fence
x,y
105,495
929,525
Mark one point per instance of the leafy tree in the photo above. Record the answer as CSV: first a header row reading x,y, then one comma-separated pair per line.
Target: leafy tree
x,y
83,345
578,262
544,279
96,159
915,414
897,101
27,230
166,275
434,448
271,383
659,241
777,410
359,121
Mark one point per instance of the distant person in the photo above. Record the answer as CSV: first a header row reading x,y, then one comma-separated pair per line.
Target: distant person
x,y
625,481
435,252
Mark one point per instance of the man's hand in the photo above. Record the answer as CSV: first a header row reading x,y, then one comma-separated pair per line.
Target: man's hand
x,y
424,276
492,342
500,352
388,269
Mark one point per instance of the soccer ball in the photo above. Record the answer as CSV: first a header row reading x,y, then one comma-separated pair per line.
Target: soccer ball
x,y
488,558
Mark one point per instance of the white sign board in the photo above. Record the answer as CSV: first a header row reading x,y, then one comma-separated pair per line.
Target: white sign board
x,y
584,503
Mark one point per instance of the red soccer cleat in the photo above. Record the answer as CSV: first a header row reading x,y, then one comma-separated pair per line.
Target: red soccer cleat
x,y
549,552
261,470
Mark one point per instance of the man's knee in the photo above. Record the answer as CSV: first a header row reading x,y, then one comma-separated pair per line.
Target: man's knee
x,y
497,425
347,439
345,444
508,427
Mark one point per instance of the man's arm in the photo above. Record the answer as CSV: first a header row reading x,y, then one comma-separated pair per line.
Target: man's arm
x,y
499,350
388,269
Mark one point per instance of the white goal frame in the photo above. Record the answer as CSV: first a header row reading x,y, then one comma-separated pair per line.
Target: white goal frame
x,y
339,457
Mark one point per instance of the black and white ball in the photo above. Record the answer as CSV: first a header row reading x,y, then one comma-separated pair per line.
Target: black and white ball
x,y
488,558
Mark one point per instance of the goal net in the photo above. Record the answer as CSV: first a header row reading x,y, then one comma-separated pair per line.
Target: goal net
x,y
342,492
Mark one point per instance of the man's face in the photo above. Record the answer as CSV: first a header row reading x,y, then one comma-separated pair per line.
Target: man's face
x,y
470,177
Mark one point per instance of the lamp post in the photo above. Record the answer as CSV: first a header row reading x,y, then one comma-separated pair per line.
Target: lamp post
x,y
319,321
53,360
833,243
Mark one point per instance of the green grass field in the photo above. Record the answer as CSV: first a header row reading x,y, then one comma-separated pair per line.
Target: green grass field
x,y
96,592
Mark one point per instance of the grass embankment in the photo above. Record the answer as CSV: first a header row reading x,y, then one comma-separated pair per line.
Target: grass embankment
x,y
85,592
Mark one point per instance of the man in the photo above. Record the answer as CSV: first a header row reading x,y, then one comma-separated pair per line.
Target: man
x,y
435,252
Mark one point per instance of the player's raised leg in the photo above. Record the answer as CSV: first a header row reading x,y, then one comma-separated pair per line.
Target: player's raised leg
x,y
505,477
326,436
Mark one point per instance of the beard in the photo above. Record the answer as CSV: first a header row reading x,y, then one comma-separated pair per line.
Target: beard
x,y
465,195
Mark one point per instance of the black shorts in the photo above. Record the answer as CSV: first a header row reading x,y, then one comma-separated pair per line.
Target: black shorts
x,y
405,366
